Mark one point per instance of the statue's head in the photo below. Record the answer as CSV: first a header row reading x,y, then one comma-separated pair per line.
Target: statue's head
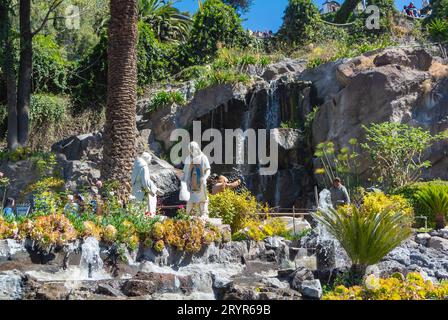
x,y
194,149
147,157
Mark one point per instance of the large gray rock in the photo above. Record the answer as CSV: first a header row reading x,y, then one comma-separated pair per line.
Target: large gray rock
x,y
438,244
11,285
311,289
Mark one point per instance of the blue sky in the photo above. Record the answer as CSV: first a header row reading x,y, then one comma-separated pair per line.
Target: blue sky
x,y
267,14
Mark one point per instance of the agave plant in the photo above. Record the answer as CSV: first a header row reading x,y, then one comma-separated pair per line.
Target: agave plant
x,y
167,22
366,235
435,198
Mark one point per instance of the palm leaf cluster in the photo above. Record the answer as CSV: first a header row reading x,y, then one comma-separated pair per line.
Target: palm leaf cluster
x,y
435,198
167,22
366,236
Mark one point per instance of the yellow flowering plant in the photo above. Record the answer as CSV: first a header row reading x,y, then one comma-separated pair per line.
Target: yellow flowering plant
x,y
396,287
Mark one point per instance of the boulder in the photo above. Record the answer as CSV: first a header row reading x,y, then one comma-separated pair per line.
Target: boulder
x,y
11,285
299,276
438,243
311,289
149,283
422,238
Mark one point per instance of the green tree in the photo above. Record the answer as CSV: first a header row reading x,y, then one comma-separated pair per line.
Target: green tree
x,y
166,21
439,9
397,152
215,23
300,22
241,6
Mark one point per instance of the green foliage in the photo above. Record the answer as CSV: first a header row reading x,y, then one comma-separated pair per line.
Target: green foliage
x,y
50,67
411,191
166,21
366,235
259,230
439,9
154,58
341,163
165,98
291,124
233,208
438,29
214,25
241,6
347,48
46,108
89,79
397,151
300,22
435,199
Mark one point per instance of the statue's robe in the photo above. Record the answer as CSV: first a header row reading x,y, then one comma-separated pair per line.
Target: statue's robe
x,y
143,188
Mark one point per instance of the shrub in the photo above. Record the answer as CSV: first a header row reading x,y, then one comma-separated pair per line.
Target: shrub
x,y
50,67
397,151
154,59
397,287
52,229
410,192
213,25
48,183
7,229
259,230
438,29
184,235
300,22
366,233
233,208
379,202
47,109
435,199
439,9
165,98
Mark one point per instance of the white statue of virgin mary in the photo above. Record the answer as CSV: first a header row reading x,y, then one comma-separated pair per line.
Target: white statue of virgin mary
x,y
143,188
196,172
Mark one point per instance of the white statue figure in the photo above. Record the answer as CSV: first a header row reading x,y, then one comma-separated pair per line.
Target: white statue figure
x,y
196,172
143,188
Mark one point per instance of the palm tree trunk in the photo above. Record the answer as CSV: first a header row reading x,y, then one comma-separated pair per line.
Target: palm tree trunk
x,y
25,69
440,221
120,128
357,272
346,9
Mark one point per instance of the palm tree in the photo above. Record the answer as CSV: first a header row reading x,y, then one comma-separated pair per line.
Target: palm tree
x,y
366,235
120,128
435,199
167,22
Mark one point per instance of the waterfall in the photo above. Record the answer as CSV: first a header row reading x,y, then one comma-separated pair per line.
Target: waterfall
x,y
326,241
90,257
273,108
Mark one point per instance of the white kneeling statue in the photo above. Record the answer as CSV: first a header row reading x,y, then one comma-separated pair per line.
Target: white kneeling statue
x,y
143,188
196,172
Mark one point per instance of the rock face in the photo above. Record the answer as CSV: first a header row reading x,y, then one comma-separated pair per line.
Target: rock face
x,y
401,85
235,270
